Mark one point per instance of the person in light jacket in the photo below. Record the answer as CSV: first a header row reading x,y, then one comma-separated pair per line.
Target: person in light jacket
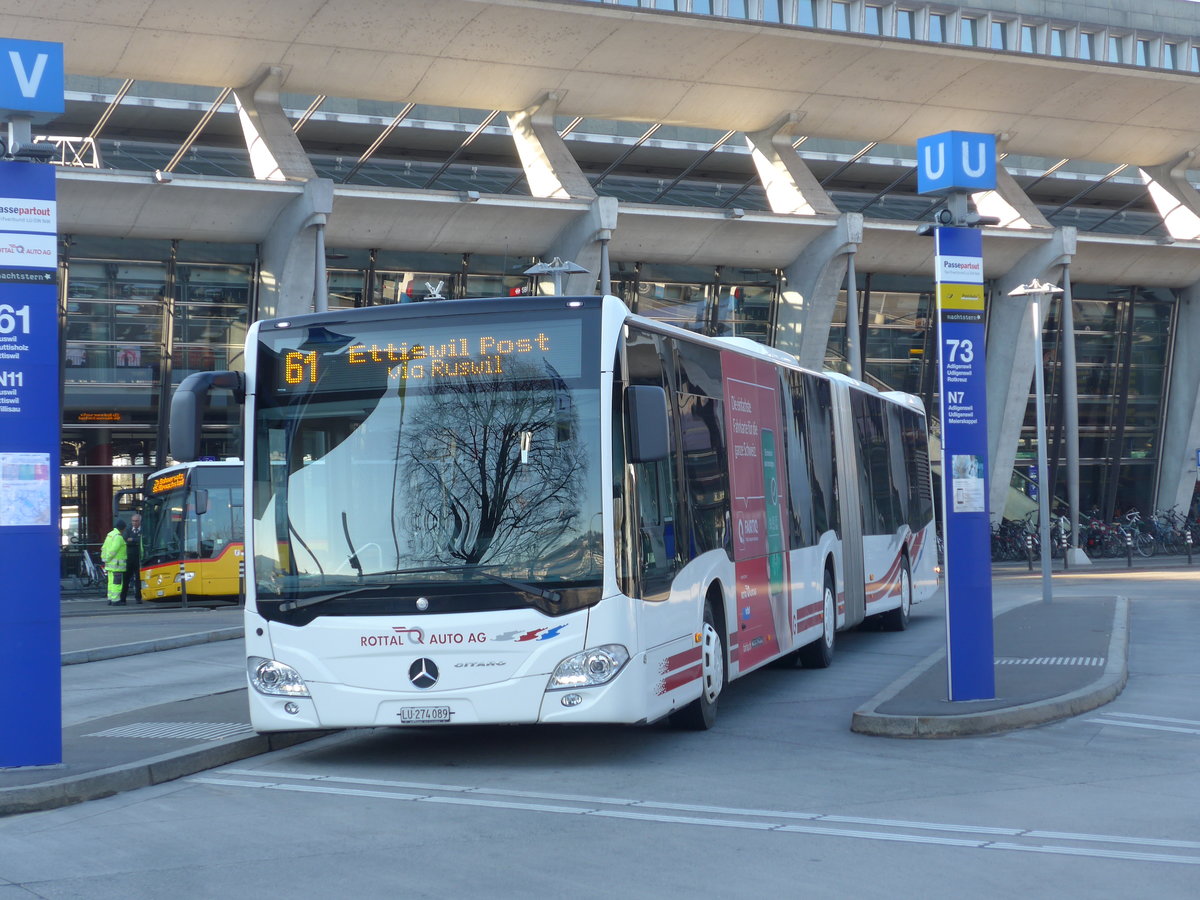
x,y
113,554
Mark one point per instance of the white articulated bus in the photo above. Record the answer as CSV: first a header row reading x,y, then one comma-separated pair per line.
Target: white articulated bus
x,y
549,509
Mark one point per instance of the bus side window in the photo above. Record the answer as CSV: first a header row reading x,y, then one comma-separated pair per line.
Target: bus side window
x,y
819,414
897,467
799,464
702,448
656,487
916,451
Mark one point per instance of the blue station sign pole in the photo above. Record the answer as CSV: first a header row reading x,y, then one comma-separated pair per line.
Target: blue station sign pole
x,y
961,337
952,164
31,86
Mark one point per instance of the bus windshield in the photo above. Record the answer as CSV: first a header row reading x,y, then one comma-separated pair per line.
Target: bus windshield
x,y
410,450
172,529
162,525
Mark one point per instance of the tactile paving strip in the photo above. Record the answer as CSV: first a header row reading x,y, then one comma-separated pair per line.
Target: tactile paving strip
x,y
183,731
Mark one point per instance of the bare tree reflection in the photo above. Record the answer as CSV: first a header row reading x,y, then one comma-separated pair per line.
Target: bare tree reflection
x,y
471,497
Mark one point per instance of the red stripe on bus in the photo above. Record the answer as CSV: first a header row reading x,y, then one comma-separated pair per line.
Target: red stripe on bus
x,y
884,587
679,660
811,609
679,679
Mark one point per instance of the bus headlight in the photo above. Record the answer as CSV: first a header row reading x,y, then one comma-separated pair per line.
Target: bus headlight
x,y
268,676
599,665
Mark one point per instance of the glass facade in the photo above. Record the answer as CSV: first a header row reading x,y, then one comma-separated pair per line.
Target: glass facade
x,y
727,301
138,317
1122,341
1122,344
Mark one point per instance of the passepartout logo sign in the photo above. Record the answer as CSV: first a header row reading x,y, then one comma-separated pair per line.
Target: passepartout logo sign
x,y
28,215
960,269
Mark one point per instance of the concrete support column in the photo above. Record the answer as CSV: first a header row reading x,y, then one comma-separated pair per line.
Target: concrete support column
x,y
1010,357
854,342
1070,401
585,242
810,292
1177,201
1177,471
549,167
275,152
791,187
292,278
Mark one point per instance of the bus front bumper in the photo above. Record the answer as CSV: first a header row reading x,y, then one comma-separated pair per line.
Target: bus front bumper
x,y
517,701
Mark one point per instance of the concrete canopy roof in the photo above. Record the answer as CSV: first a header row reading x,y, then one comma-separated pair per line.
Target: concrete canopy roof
x,y
205,208
618,63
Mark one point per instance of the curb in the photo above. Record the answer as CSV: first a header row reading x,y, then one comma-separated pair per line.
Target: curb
x,y
74,657
866,719
144,773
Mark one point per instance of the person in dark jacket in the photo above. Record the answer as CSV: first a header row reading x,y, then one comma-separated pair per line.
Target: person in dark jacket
x,y
131,586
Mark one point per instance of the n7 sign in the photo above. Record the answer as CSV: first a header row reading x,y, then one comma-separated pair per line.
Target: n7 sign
x,y
31,77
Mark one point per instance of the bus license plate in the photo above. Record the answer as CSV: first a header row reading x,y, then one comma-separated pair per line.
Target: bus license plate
x,y
424,715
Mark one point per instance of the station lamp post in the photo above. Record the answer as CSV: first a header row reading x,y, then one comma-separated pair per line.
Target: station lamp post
x,y
1035,291
556,269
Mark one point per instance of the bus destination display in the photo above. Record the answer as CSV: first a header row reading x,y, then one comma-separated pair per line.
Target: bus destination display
x,y
428,355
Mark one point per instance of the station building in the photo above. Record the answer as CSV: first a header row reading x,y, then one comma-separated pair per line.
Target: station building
x,y
740,167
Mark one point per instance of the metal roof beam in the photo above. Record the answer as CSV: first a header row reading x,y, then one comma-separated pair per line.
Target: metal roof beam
x,y
378,142
461,147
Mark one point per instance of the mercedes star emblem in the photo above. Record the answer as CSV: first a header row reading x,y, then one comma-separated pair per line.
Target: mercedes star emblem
x,y
423,673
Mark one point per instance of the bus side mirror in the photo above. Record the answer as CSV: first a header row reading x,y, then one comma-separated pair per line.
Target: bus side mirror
x,y
646,406
187,409
200,501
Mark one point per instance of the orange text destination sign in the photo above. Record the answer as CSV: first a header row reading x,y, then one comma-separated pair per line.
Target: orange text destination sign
x,y
168,483
431,354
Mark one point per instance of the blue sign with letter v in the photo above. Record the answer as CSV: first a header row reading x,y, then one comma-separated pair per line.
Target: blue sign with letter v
x,y
31,77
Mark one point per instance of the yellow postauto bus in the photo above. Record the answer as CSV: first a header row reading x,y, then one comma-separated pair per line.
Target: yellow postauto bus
x,y
192,533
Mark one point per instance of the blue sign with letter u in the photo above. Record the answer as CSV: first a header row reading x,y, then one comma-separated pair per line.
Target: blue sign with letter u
x,y
956,161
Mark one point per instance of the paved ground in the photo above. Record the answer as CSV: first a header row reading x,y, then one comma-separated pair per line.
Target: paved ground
x,y
1052,661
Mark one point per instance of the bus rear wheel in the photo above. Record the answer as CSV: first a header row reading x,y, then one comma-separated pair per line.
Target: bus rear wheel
x,y
897,619
701,713
819,654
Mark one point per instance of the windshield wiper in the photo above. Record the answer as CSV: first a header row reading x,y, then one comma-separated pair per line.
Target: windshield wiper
x,y
289,605
523,586
551,596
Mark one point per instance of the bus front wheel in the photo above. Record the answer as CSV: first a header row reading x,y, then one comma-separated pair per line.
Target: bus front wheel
x,y
701,713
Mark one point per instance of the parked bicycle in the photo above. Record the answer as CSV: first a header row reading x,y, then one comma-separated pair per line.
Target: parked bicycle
x,y
90,575
1137,533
